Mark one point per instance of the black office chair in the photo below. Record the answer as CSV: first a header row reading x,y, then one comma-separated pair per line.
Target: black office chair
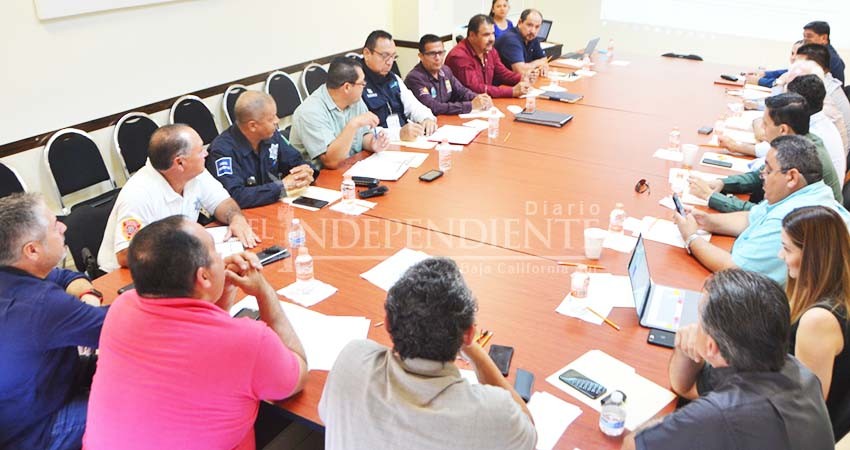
x,y
281,87
847,91
75,164
313,77
10,181
228,101
191,110
86,227
131,140
286,131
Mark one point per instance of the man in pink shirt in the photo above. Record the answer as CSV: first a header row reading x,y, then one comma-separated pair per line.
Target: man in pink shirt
x,y
478,66
175,370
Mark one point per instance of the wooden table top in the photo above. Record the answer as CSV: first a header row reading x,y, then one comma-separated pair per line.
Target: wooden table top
x,y
508,210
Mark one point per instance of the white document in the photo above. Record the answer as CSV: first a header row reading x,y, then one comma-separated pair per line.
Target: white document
x,y
744,122
620,62
380,168
738,164
388,271
322,336
567,62
744,137
455,134
479,114
515,109
317,291
318,193
357,207
622,243
551,416
553,88
677,173
223,247
668,154
478,124
533,92
666,232
645,398
421,143
217,233
412,159
596,298
586,73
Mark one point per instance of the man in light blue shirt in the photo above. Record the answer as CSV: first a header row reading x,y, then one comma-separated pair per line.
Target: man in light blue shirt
x,y
793,178
334,123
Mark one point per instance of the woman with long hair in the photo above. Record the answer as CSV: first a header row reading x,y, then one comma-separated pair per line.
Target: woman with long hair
x,y
499,10
816,249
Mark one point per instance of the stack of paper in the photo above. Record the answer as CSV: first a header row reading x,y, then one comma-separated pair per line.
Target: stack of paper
x,y
478,124
318,193
421,143
533,92
322,336
605,292
551,416
644,399
744,137
454,134
357,207
388,271
315,292
680,176
385,167
665,232
744,122
224,247
480,114
585,72
568,63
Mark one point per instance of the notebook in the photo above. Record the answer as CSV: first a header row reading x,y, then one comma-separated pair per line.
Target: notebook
x,y
550,119
561,96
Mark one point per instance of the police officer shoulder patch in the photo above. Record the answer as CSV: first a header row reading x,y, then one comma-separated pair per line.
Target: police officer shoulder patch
x,y
224,166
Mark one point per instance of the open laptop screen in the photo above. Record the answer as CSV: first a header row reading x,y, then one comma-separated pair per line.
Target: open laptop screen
x,y
545,28
639,276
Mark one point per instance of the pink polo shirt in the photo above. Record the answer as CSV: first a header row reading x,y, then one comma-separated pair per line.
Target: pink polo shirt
x,y
181,373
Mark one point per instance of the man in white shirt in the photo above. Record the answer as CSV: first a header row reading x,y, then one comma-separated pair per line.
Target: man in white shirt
x,y
813,90
173,182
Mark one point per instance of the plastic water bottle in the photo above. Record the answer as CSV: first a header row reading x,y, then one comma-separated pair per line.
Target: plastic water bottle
x,y
349,192
296,235
579,282
530,104
610,49
493,124
445,152
675,140
304,270
585,62
612,417
617,219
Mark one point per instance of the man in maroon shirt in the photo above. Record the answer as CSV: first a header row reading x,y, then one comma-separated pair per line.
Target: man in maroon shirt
x,y
477,65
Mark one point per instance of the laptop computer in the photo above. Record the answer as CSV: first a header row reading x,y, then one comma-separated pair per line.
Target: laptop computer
x,y
550,119
591,46
660,307
545,28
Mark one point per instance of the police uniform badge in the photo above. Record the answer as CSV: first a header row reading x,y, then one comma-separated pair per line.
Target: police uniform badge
x,y
273,153
224,166
433,92
129,227
423,91
448,86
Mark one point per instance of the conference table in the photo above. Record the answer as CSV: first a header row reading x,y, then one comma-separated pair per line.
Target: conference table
x,y
508,211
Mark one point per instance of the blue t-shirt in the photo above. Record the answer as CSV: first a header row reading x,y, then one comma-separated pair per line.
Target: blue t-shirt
x,y
512,48
40,328
498,31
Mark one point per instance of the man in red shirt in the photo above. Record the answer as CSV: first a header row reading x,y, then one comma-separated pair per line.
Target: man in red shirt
x,y
478,66
175,370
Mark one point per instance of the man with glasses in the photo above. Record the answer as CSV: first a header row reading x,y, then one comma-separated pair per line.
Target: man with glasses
x,y
435,85
252,160
333,123
793,177
387,97
519,47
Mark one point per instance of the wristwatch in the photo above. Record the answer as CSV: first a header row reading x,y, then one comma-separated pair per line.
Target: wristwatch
x,y
93,292
688,242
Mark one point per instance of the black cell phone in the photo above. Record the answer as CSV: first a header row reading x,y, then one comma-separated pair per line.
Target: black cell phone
x,y
365,181
126,288
524,383
678,203
729,77
311,202
272,254
705,130
431,175
502,355
662,338
715,162
583,384
247,312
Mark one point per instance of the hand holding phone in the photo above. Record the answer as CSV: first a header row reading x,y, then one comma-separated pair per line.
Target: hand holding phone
x,y
678,203
502,355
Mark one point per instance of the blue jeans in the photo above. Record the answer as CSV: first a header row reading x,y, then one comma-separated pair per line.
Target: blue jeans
x,y
69,423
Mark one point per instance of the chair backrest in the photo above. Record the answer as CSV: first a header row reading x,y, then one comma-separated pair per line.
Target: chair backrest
x,y
74,163
281,87
228,101
191,110
86,227
131,140
10,181
286,131
313,77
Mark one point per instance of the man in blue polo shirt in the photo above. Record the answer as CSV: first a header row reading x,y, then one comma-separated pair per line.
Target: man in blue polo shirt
x,y
45,313
793,177
252,160
519,47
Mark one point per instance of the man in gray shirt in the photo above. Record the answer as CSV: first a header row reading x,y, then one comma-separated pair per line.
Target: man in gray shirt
x,y
412,395
745,391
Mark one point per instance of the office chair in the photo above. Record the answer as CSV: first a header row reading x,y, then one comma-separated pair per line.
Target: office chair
x,y
86,227
10,181
228,101
191,110
313,77
281,87
75,163
131,140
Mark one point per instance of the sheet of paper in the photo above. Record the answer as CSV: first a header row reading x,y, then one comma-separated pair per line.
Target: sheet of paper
x,y
309,295
632,224
387,272
515,109
620,62
738,164
676,172
667,154
586,72
533,92
567,62
455,134
225,249
412,159
553,88
421,143
359,206
478,124
622,243
217,233
645,398
744,122
666,232
385,169
600,297
746,137
551,416
318,193
322,336
557,75
479,114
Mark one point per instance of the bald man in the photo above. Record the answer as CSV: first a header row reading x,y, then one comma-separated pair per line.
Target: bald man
x,y
252,160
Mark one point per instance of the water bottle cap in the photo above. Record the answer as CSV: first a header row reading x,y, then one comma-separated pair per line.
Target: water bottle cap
x,y
616,397
618,205
303,251
347,177
296,221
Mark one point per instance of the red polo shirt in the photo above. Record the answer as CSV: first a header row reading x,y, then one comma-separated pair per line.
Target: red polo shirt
x,y
490,77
